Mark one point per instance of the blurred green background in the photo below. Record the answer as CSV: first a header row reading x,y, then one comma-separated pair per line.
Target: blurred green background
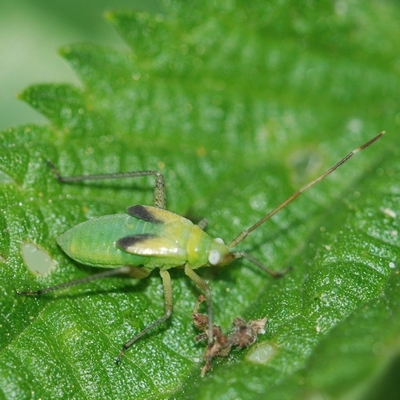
x,y
31,32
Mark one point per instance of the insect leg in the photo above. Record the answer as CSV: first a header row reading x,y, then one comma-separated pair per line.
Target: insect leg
x,y
159,189
201,283
203,223
90,278
166,280
275,274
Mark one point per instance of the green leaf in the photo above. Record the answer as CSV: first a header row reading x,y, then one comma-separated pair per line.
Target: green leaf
x,y
238,104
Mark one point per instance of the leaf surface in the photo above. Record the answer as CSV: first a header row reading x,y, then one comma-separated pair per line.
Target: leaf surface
x,y
238,104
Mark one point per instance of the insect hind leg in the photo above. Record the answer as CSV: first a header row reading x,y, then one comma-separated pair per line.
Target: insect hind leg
x,y
159,188
125,270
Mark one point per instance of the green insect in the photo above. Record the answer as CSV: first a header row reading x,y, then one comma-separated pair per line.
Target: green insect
x,y
150,237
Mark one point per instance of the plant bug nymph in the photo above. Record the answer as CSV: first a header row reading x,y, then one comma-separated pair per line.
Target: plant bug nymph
x,y
149,237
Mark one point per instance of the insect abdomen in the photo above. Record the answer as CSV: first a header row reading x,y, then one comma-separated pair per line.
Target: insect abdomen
x,y
93,242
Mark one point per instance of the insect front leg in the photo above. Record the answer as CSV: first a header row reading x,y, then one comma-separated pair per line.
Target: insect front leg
x,y
202,224
168,305
201,283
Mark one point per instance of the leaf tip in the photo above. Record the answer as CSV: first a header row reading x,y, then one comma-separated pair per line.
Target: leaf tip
x,y
24,95
110,16
64,51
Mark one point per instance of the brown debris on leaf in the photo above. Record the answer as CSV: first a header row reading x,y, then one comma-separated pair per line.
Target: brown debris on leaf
x,y
243,335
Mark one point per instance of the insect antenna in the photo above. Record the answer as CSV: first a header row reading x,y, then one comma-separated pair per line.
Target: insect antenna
x,y
242,236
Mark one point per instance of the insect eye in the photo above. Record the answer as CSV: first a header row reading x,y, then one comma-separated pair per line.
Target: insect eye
x,y
214,257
